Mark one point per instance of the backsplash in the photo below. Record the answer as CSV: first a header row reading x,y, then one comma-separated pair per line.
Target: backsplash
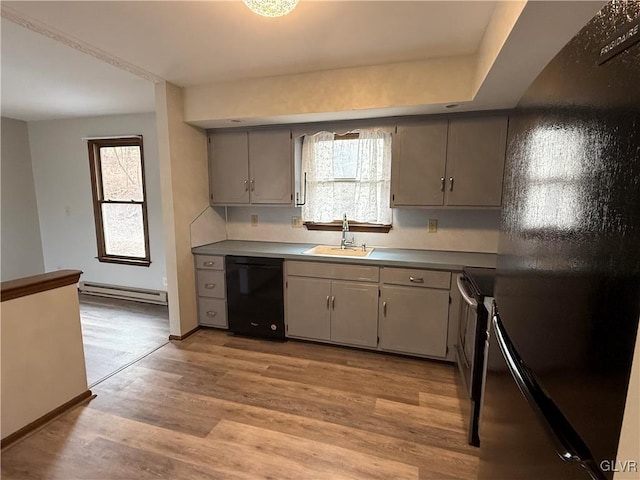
x,y
458,230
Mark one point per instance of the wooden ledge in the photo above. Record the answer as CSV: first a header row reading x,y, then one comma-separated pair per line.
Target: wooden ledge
x,y
22,287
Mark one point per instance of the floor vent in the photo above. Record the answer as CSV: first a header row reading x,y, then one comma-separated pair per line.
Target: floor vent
x,y
125,293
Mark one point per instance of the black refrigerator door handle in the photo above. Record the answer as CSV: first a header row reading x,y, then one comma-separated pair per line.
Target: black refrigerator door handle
x,y
568,444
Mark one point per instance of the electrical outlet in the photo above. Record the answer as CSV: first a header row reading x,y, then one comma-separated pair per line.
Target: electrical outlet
x,y
164,281
254,220
433,225
296,222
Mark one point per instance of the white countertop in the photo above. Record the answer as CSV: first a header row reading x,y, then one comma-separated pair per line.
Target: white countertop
x,y
381,256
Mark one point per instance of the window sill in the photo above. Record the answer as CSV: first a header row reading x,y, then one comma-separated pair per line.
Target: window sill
x,y
137,262
353,227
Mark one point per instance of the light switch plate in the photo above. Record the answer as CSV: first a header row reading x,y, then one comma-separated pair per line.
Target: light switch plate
x,y
433,225
254,220
296,222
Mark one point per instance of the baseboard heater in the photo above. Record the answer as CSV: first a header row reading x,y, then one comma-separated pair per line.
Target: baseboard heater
x,y
124,293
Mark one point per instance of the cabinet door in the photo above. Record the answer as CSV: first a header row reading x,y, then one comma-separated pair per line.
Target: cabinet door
x,y
308,311
414,320
354,313
271,165
228,168
475,161
419,156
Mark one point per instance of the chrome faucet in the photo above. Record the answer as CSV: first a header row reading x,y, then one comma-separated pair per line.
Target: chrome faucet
x,y
344,243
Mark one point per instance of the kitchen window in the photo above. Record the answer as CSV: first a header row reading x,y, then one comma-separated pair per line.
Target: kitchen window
x,y
119,200
350,174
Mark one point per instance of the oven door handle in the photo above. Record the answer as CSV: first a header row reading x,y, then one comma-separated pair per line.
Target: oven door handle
x,y
463,291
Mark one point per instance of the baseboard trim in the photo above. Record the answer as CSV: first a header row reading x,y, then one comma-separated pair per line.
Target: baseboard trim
x,y
182,337
46,418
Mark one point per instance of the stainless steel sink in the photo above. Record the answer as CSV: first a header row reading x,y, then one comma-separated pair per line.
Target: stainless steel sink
x,y
333,251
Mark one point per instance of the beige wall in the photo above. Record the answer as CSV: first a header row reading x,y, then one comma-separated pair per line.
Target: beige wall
x,y
42,355
335,92
185,195
629,446
458,230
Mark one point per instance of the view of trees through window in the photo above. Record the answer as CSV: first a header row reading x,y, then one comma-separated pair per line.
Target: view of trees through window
x,y
119,196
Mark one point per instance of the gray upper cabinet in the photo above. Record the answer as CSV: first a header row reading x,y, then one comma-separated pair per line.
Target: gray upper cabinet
x,y
475,161
228,168
254,167
457,163
418,167
270,165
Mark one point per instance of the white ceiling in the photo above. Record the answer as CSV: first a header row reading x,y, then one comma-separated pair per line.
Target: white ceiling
x,y
194,43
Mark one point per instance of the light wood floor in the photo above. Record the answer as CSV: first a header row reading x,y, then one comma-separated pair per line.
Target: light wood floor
x,y
116,332
217,406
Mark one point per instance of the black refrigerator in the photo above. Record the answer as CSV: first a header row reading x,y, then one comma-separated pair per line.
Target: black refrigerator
x,y
567,291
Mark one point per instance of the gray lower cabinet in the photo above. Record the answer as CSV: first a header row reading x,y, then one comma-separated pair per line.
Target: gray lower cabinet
x,y
325,303
414,320
210,285
354,313
414,311
308,303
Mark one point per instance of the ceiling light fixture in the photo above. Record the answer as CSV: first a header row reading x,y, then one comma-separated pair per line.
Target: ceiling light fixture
x,y
271,8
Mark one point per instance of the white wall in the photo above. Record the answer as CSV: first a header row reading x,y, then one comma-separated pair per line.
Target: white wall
x,y
458,230
21,249
63,186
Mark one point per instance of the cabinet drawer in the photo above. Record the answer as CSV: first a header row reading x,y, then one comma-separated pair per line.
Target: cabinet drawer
x,y
362,273
212,312
209,262
416,278
211,283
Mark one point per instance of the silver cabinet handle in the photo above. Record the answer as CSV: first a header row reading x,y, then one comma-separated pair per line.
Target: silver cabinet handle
x,y
384,308
253,324
463,291
211,313
442,184
333,303
451,184
416,280
327,302
246,185
208,264
253,185
210,286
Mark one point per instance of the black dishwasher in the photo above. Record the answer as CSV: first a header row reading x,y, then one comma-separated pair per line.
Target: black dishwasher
x,y
255,299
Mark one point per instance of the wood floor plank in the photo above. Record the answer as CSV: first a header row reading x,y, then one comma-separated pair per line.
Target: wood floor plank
x,y
219,406
323,458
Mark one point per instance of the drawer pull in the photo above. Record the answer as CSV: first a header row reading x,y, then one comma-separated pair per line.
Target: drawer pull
x,y
210,286
253,324
416,280
208,264
211,313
